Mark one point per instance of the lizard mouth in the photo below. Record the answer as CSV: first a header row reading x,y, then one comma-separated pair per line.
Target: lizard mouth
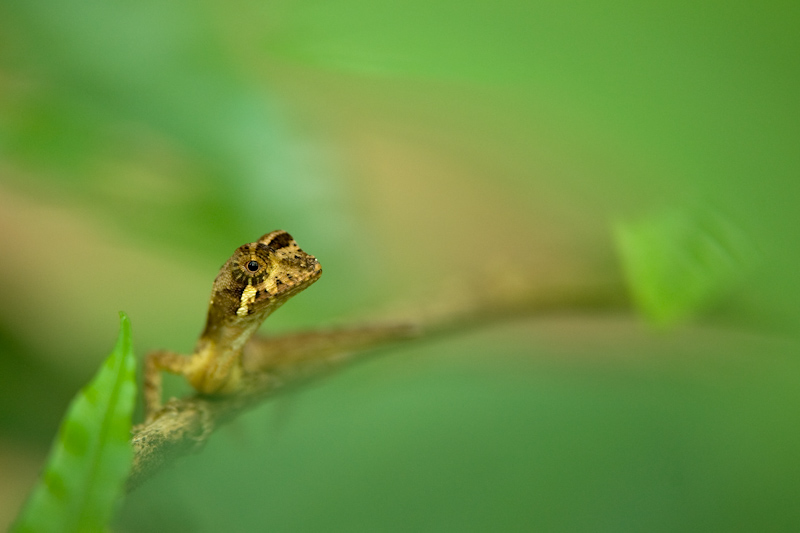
x,y
314,271
310,273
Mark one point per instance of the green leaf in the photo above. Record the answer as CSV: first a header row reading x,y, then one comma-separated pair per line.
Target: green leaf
x,y
677,263
91,457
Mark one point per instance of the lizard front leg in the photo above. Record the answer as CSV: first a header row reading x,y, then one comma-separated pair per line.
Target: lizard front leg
x,y
155,362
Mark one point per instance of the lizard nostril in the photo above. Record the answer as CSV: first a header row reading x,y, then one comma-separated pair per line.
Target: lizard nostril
x,y
252,266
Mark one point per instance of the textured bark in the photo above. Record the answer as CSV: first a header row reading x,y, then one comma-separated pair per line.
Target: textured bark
x,y
271,365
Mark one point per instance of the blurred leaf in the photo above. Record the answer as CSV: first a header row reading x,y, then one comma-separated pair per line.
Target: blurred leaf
x,y
677,263
89,462
149,96
25,413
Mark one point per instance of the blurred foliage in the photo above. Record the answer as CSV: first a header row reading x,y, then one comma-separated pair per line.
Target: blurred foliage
x,y
82,482
405,145
25,412
677,262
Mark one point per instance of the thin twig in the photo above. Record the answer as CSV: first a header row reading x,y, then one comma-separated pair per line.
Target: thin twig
x,y
271,365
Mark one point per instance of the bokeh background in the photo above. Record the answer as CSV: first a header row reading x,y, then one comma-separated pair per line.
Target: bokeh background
x,y
406,144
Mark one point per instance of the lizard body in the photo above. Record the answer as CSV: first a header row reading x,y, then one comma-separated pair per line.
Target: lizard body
x,y
257,279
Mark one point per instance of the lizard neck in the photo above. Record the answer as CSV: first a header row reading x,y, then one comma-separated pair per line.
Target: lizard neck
x,y
216,364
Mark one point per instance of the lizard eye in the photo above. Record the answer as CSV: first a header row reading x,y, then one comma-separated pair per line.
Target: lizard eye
x,y
252,264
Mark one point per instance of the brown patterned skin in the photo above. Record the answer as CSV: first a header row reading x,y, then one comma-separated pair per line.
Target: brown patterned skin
x,y
257,279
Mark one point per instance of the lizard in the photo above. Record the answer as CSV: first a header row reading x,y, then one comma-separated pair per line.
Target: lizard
x,y
255,281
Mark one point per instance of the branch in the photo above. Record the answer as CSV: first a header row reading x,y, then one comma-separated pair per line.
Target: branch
x,y
271,365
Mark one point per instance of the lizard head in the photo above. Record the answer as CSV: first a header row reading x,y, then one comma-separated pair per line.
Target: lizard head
x,y
257,279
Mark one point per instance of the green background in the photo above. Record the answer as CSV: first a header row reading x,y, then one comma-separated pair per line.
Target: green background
x,y
407,144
